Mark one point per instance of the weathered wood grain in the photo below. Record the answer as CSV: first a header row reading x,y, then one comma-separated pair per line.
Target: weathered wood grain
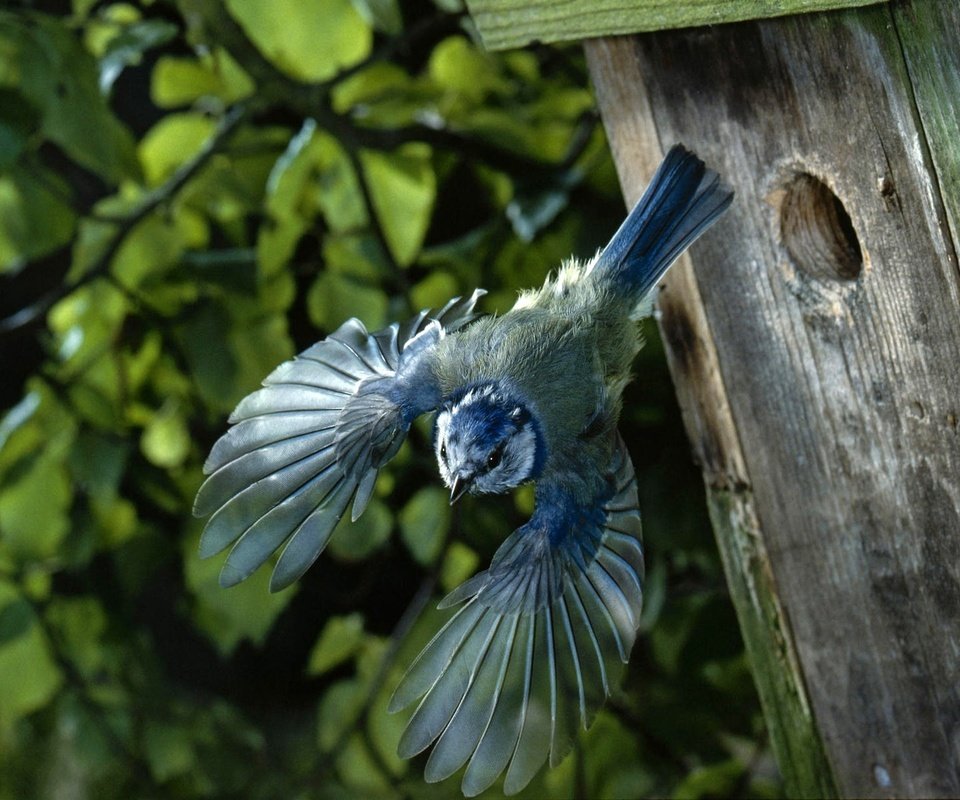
x,y
823,410
702,396
515,23
929,34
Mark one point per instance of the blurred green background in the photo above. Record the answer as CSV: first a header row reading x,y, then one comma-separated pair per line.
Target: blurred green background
x,y
191,192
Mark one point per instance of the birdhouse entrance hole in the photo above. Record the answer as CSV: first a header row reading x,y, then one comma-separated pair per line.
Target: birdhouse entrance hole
x,y
817,231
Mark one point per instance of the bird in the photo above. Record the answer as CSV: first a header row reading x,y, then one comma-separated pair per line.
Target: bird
x,y
536,642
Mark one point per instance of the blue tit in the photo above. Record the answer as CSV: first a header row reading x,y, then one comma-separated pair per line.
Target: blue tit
x,y
537,641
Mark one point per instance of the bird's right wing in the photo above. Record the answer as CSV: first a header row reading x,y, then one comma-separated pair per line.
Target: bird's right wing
x,y
314,437
537,645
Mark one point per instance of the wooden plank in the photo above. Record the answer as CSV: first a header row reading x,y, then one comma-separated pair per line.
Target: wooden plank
x,y
709,421
834,475
515,23
929,34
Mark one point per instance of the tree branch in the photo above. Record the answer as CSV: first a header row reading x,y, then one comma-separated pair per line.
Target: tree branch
x,y
125,224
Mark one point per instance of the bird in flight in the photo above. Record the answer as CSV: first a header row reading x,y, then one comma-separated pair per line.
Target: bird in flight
x,y
539,639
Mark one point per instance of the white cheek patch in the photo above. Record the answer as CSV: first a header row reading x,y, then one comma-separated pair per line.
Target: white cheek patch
x,y
443,427
517,465
524,445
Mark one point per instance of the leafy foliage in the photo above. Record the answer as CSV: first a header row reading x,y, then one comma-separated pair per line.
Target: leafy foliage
x,y
190,192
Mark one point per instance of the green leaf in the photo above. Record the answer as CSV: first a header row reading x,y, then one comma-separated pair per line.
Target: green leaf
x,y
64,86
171,142
33,220
312,175
97,462
434,290
16,617
18,120
80,623
151,249
34,508
29,64
290,171
379,83
333,298
166,440
31,677
713,780
385,730
424,522
308,39
338,641
357,256
458,565
335,190
338,712
36,422
358,769
353,541
285,187
127,48
18,416
614,766
86,323
228,358
116,519
213,366
403,188
382,15
177,81
169,750
259,344
459,67
228,616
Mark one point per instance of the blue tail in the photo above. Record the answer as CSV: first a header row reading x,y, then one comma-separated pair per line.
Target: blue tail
x,y
682,201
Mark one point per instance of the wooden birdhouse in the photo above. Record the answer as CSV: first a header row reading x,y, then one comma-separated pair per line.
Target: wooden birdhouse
x,y
814,341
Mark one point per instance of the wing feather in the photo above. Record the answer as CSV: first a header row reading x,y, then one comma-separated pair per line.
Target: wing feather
x,y
227,482
242,510
571,702
558,611
462,733
502,732
281,399
533,745
252,434
309,539
313,438
258,542
435,657
441,702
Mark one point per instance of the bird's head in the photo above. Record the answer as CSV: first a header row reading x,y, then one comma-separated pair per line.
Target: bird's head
x,y
487,442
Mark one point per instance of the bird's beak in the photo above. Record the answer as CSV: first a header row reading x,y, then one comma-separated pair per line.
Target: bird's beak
x,y
459,488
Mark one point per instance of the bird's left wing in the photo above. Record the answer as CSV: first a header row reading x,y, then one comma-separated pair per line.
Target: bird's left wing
x,y
314,437
537,644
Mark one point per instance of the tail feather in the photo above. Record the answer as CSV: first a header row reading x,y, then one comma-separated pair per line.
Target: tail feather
x,y
682,201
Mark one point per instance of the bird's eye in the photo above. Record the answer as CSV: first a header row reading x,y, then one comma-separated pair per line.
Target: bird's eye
x,y
443,450
493,460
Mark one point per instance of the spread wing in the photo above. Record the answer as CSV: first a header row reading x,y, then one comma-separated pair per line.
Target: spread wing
x,y
314,437
538,643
